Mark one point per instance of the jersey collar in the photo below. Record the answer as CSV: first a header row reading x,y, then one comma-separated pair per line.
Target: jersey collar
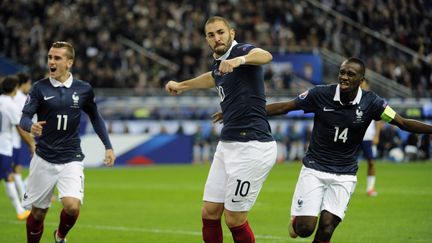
x,y
68,83
354,102
226,55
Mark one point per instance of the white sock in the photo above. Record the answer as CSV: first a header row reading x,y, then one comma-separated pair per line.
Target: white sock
x,y
13,197
19,185
370,183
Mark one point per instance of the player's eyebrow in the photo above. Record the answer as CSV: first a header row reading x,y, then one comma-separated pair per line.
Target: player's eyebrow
x,y
219,30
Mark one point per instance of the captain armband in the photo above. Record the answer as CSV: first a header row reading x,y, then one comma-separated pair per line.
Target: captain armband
x,y
388,114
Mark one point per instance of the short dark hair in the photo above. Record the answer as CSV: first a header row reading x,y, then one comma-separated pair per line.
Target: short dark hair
x,y
67,45
8,84
359,62
218,18
23,78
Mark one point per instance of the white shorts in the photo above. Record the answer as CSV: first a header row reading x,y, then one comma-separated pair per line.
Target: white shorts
x,y
317,191
238,172
44,176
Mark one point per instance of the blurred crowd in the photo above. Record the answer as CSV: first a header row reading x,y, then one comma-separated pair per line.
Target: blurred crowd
x,y
174,31
292,138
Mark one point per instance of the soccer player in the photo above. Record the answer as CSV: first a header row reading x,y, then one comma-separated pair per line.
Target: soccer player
x,y
247,150
58,101
9,120
24,85
327,179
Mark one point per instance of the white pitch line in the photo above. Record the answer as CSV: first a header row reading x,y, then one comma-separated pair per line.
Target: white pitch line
x,y
267,238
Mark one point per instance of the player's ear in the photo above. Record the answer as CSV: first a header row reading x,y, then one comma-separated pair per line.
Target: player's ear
x,y
362,81
70,63
232,32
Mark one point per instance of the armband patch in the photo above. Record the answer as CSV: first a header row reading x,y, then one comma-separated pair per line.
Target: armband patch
x,y
388,114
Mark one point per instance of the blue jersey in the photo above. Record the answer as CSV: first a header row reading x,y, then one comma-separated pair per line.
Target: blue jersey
x,y
242,100
338,129
61,108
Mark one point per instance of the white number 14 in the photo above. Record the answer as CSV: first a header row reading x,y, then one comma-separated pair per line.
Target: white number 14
x,y
342,136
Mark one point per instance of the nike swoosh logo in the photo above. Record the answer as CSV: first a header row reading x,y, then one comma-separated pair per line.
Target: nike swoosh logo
x,y
234,201
48,98
328,109
37,233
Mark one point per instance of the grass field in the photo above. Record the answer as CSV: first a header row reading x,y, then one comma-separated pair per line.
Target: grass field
x,y
161,204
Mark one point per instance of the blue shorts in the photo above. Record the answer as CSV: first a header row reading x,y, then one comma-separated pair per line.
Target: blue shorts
x,y
16,158
367,149
5,166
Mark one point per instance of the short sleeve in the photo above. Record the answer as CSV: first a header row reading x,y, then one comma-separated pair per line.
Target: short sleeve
x,y
306,100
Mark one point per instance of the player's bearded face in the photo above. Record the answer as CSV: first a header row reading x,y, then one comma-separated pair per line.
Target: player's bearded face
x,y
219,37
59,64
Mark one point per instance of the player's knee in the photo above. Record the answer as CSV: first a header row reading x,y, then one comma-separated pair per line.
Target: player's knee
x,y
39,213
326,229
304,229
72,210
212,211
234,219
71,207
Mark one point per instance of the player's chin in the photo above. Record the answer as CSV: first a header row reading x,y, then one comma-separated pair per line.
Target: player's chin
x,y
220,50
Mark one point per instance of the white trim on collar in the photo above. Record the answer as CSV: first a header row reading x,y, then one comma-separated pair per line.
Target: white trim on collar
x,y
68,83
354,102
226,55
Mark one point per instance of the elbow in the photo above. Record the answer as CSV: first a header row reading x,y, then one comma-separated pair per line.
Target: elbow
x,y
269,57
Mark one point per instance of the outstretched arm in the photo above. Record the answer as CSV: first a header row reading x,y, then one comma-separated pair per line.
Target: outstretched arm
x,y
204,81
411,125
281,108
273,109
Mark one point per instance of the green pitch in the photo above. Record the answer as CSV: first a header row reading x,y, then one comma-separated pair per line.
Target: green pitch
x,y
161,204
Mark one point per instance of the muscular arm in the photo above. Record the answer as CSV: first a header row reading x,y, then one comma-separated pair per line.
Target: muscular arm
x,y
411,125
281,108
256,56
204,81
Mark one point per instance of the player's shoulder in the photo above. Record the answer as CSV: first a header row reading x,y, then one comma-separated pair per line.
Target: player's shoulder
x,y
372,98
369,95
41,83
324,89
83,85
242,47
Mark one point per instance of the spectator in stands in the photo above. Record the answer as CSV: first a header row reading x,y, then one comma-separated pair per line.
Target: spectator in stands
x,y
279,25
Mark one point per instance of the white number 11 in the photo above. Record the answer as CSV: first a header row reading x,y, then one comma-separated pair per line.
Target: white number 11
x,y
59,122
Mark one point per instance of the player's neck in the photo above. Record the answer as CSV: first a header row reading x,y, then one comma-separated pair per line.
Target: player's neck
x,y
346,98
64,77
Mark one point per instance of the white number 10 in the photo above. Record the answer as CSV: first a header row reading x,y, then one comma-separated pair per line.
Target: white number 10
x,y
342,136
59,122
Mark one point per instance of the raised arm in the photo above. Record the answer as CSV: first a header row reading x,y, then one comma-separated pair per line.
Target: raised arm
x,y
281,108
256,56
204,81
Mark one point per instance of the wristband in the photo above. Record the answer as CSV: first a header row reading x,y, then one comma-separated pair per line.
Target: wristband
x,y
242,60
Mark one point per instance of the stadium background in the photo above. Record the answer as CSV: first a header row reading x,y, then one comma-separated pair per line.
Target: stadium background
x,y
129,49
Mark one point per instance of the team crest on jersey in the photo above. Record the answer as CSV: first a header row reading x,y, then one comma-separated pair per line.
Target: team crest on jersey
x,y
359,115
304,95
75,99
